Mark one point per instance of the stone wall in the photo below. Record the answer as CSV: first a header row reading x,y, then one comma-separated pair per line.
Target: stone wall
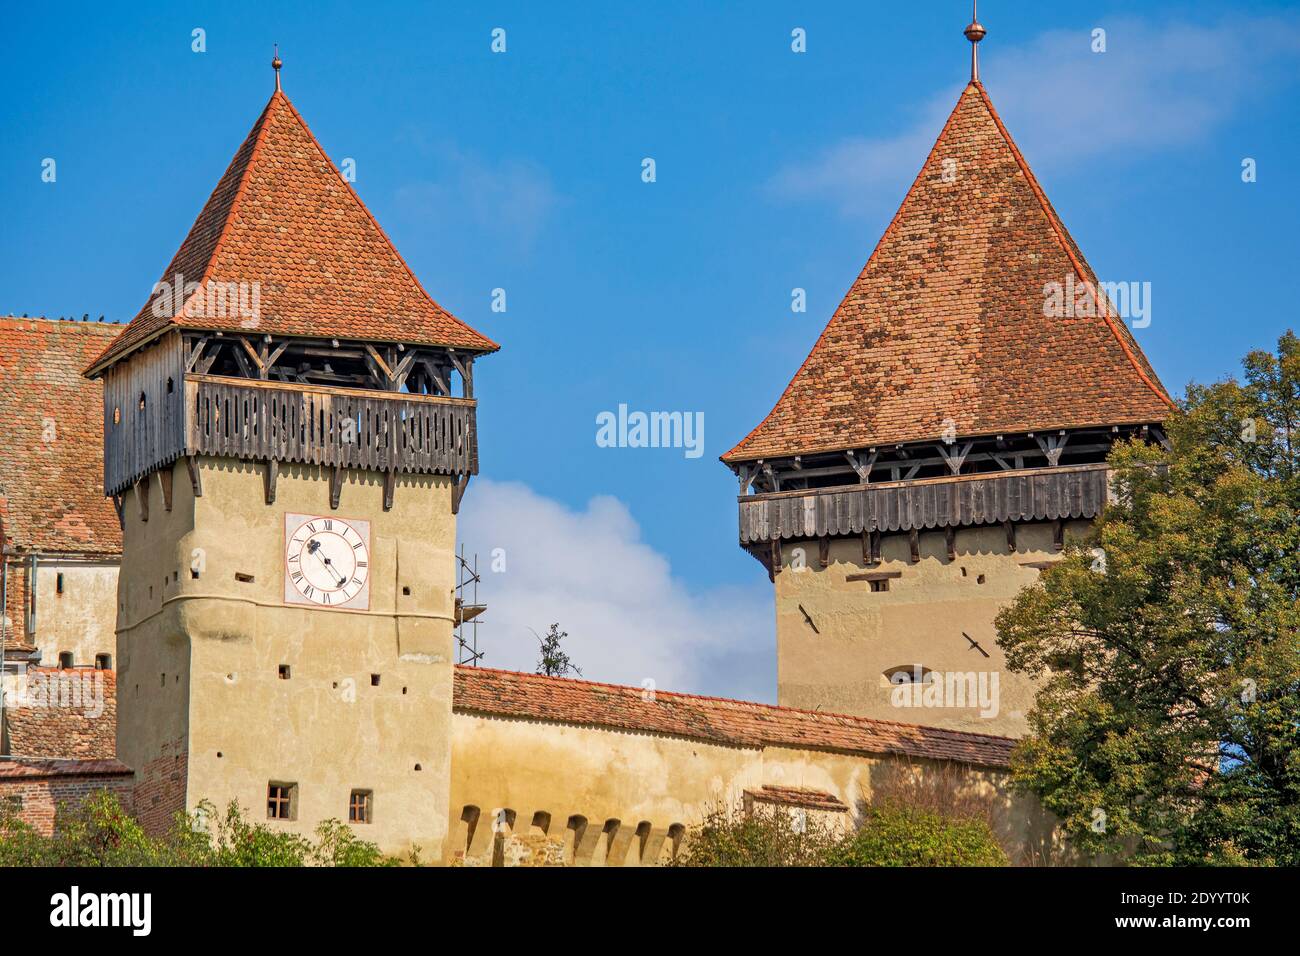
x,y
39,791
64,714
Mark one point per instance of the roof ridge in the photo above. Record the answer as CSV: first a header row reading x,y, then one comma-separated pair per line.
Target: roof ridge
x,y
53,323
782,708
1058,230
880,243
371,216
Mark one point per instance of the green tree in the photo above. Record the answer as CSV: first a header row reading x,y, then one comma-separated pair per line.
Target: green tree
x,y
552,660
1165,728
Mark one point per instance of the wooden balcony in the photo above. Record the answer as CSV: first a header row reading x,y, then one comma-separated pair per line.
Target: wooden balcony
x,y
1037,494
390,432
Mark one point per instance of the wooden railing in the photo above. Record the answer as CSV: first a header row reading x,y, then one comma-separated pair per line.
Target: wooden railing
x,y
1039,494
329,426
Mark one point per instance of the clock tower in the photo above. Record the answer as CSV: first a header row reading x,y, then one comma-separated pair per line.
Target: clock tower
x,y
289,427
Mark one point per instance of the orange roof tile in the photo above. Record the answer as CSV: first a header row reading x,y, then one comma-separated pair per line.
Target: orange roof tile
x,y
798,797
946,319
51,438
283,217
717,720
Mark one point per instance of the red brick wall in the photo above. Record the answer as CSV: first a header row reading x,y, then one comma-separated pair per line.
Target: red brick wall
x,y
60,723
160,788
42,797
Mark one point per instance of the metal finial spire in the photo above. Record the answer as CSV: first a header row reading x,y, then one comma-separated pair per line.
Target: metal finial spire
x,y
975,32
276,63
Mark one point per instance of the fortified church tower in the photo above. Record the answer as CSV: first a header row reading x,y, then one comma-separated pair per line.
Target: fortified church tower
x,y
289,426
948,430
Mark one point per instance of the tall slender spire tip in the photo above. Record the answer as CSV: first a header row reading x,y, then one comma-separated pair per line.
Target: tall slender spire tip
x,y
975,32
276,63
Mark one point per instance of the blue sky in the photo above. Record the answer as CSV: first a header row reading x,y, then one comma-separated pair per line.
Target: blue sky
x,y
775,170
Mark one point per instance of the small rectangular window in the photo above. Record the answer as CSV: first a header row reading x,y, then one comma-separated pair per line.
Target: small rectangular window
x,y
881,585
359,806
65,660
374,680
58,583
103,662
243,578
281,801
284,672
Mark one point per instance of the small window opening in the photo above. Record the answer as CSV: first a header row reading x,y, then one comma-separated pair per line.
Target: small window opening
x,y
406,591
162,680
170,386
117,416
980,579
284,672
194,573
359,806
103,662
374,680
882,585
142,401
65,660
58,583
243,578
281,801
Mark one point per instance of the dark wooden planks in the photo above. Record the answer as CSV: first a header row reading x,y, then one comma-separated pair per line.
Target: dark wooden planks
x,y
1040,495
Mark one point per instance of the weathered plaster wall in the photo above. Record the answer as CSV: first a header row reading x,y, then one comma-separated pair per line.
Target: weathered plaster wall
x,y
201,655
920,619
81,619
612,798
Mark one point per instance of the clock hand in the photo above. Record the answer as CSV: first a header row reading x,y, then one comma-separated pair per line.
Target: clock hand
x,y
313,547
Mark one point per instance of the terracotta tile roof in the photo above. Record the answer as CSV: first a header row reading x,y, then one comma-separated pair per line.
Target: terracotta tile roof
x,y
51,438
11,767
718,720
946,320
798,797
282,216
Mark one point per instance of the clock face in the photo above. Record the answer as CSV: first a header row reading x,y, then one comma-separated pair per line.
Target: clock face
x,y
327,561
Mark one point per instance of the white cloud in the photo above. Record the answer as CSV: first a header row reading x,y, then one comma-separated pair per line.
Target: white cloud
x,y
509,199
1157,87
627,617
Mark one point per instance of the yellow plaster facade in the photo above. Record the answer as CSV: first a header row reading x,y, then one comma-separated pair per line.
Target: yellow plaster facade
x,y
839,661
224,689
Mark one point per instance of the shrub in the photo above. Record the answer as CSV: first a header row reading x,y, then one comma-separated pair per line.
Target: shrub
x,y
895,835
767,836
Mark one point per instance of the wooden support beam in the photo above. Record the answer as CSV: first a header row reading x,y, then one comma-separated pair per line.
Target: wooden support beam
x,y
192,466
165,479
117,506
914,539
824,550
873,547
195,354
269,479
956,456
142,497
874,576
390,482
336,486
1058,534
775,556
1010,528
950,538
862,467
